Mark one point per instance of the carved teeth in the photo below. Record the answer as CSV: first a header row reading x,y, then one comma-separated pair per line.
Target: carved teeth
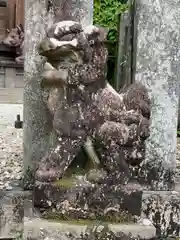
x,y
57,43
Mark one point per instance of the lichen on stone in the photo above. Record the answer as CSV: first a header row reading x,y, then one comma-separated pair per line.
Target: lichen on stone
x,y
83,105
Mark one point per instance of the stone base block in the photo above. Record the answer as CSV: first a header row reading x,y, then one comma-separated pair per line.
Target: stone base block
x,y
38,229
162,208
12,212
88,201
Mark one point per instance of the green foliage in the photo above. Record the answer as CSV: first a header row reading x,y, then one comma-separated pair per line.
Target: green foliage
x,y
19,235
106,15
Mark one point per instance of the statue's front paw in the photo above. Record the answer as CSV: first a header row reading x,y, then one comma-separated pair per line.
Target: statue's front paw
x,y
54,77
47,175
48,170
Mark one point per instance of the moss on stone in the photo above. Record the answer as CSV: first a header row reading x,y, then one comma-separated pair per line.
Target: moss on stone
x,y
66,182
120,217
19,235
82,163
70,178
73,172
58,218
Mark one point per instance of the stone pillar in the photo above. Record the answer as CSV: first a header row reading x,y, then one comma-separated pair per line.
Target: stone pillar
x,y
37,124
157,66
76,10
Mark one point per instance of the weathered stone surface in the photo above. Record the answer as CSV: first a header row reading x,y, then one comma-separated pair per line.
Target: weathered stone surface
x,y
158,60
12,212
15,39
162,208
37,124
42,229
85,105
88,201
79,10
179,114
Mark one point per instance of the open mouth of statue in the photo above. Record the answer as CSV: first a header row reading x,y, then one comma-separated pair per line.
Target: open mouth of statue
x,y
62,51
69,57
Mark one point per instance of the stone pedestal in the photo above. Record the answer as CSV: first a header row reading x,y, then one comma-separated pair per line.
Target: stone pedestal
x,y
158,60
83,200
41,230
12,211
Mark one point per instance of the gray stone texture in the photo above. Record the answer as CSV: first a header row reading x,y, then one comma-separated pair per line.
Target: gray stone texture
x,y
36,118
36,125
89,201
12,212
158,60
75,10
179,115
83,104
162,208
42,229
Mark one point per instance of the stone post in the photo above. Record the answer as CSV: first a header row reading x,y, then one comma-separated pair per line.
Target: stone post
x,y
37,124
75,10
157,66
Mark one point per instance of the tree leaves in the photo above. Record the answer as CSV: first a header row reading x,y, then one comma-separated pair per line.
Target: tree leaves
x,y
106,15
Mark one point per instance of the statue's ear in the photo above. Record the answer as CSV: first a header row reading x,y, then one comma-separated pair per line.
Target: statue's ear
x,y
103,32
96,33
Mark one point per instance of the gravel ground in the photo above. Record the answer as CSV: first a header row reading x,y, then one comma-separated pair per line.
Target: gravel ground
x,y
11,151
11,157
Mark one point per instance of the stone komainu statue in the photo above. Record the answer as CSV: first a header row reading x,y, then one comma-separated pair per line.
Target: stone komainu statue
x,y
15,39
83,104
